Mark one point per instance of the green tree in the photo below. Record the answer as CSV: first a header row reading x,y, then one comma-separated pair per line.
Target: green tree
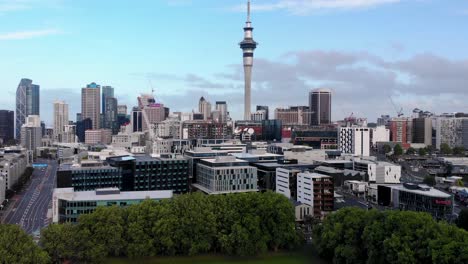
x,y
58,240
422,151
459,183
187,226
397,150
17,247
106,227
340,236
411,151
445,149
142,221
458,150
462,220
387,148
450,246
353,235
429,180
278,220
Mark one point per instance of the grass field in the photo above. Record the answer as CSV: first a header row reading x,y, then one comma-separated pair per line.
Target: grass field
x,y
281,258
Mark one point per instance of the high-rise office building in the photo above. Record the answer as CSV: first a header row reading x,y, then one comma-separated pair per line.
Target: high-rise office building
x,y
151,112
107,91
204,107
110,116
320,107
31,133
7,126
122,110
27,103
422,131
60,119
264,108
90,104
248,45
221,106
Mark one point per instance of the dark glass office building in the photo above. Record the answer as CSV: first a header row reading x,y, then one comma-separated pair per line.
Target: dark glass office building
x,y
138,173
161,174
27,103
271,130
7,126
320,107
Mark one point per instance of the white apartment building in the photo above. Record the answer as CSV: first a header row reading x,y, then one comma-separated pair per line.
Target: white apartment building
x,y
128,140
31,134
379,134
2,188
286,180
354,140
225,174
316,190
170,128
451,131
379,171
12,166
60,120
69,134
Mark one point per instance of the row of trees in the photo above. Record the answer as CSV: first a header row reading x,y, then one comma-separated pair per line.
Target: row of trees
x,y
240,224
17,247
445,149
354,235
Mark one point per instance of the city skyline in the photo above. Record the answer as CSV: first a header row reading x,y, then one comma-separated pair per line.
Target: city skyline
x,y
385,60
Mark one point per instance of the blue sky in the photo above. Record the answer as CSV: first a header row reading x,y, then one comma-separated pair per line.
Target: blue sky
x,y
414,51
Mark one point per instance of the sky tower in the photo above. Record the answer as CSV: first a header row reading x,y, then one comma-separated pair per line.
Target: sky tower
x,y
248,46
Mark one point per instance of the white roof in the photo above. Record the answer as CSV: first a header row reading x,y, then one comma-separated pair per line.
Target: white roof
x,y
70,195
431,192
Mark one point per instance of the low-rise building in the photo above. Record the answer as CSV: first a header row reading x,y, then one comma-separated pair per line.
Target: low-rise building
x,y
68,205
416,197
358,188
380,172
127,173
225,175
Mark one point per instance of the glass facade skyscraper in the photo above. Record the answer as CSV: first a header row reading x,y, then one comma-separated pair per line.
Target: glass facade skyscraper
x,y
27,103
7,125
320,107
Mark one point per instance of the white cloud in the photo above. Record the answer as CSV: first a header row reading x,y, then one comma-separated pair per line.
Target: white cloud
x,y
19,5
28,34
304,7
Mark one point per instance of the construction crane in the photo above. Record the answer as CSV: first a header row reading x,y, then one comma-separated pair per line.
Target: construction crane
x,y
399,112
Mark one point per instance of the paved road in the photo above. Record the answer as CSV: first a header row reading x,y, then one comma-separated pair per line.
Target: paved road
x,y
30,210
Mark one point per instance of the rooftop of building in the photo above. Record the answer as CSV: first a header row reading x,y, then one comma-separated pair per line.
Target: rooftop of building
x,y
274,165
109,194
328,169
421,189
147,158
314,175
78,167
244,155
224,159
210,192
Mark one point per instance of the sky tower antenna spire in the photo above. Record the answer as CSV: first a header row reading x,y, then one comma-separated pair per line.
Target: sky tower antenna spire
x,y
248,11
